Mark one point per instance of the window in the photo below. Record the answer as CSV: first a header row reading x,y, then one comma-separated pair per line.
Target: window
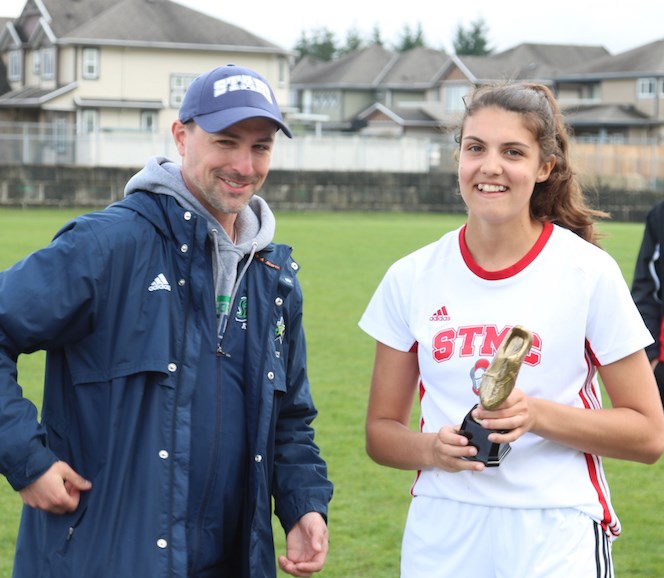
x,y
649,88
90,63
325,100
48,63
646,88
149,120
89,121
61,135
454,97
179,85
283,67
14,73
36,63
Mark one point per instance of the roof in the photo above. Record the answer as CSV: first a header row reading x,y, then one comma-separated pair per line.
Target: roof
x,y
132,22
154,23
119,103
405,116
641,61
375,65
32,96
361,69
608,115
419,66
528,61
422,68
416,114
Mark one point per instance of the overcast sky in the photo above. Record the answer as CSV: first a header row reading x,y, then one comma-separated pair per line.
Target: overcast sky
x,y
587,22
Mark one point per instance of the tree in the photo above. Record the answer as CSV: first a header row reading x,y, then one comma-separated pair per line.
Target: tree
x,y
375,36
410,39
321,45
472,41
320,42
353,42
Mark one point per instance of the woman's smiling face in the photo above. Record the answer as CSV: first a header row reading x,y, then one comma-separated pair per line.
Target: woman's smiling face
x,y
499,164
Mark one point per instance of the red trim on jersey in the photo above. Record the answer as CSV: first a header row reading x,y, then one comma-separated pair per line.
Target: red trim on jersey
x,y
419,472
591,400
606,522
512,270
591,354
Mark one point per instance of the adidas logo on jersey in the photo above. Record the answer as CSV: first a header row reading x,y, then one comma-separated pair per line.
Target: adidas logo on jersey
x,y
160,283
440,315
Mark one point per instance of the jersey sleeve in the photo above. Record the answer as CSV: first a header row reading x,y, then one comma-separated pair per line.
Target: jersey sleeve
x,y
386,317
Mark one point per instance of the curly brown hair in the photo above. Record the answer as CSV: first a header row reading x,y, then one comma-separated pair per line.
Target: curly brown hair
x,y
560,198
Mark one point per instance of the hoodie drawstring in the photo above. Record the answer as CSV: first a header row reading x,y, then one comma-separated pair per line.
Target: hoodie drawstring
x,y
223,321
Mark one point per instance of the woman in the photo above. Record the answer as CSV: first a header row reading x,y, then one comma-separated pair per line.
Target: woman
x,y
528,256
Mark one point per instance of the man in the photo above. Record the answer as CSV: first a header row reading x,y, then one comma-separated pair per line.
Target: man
x,y
647,287
176,400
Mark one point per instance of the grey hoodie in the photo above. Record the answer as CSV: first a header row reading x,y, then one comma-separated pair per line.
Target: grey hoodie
x,y
254,227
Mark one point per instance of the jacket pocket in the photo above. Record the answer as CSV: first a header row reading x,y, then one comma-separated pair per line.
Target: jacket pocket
x,y
62,529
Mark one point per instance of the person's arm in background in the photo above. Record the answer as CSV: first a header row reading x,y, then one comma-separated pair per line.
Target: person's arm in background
x,y
647,282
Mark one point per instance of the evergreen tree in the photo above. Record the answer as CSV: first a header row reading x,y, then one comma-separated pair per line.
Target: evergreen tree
x,y
321,44
375,36
472,41
353,42
410,40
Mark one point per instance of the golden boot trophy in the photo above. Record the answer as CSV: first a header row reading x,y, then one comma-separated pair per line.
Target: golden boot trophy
x,y
496,385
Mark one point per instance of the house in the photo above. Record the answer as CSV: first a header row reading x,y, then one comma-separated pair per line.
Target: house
x,y
524,63
84,66
407,102
341,88
419,92
616,98
371,90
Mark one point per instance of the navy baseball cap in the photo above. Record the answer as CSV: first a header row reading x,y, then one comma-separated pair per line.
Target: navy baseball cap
x,y
227,95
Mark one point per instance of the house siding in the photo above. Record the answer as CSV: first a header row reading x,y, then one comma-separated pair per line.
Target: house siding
x,y
134,69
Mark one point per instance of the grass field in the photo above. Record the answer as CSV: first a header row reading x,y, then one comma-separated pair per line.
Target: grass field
x,y
342,258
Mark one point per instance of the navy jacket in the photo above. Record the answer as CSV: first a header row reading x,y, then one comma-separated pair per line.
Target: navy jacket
x,y
648,277
122,301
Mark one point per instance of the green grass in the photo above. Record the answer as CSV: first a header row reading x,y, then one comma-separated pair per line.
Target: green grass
x,y
343,257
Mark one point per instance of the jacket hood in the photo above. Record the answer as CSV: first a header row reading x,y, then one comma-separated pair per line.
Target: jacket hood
x,y
255,225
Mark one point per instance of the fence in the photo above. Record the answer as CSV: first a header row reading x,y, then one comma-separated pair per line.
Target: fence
x,y
633,167
637,166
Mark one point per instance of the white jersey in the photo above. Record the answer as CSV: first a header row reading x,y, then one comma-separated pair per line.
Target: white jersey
x,y
571,296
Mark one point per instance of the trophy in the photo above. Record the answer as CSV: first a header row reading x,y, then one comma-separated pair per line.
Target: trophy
x,y
496,385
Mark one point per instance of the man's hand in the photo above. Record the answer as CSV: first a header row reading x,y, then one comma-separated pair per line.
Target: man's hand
x,y
57,491
306,546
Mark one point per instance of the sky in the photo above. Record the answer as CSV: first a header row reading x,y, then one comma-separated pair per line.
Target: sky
x,y
585,22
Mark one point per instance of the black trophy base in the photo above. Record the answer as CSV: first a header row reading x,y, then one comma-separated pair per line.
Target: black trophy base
x,y
489,453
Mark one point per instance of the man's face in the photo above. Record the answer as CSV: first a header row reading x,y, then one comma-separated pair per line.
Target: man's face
x,y
224,170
